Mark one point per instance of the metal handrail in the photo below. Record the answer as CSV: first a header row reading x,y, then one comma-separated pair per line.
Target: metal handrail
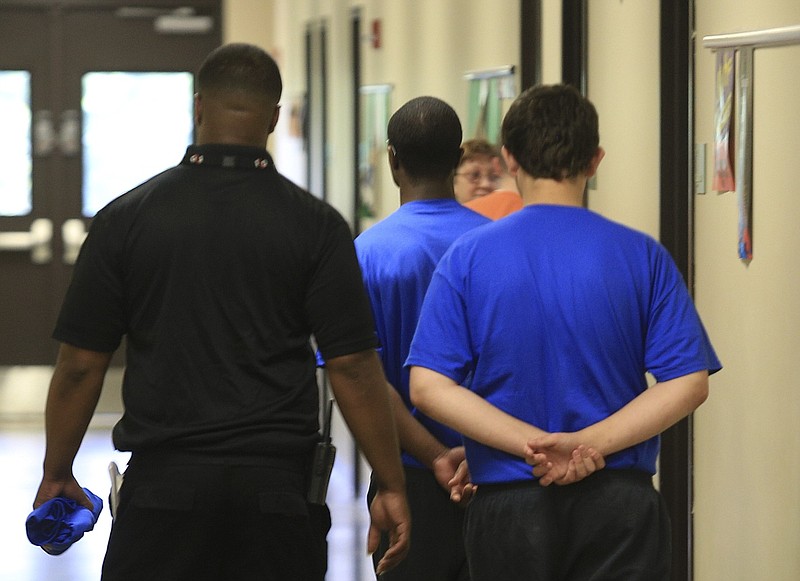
x,y
783,36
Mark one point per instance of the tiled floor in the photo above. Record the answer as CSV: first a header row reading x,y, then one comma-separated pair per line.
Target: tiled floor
x,y
21,454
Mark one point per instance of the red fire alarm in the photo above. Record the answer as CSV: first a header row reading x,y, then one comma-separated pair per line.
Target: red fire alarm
x,y
376,33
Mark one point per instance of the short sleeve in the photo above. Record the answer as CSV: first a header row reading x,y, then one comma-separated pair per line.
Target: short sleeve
x,y
677,343
336,302
92,315
442,339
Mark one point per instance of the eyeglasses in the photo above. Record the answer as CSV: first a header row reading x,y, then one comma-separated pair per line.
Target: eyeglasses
x,y
476,177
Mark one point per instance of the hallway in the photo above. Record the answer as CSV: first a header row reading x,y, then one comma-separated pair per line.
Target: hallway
x,y
21,454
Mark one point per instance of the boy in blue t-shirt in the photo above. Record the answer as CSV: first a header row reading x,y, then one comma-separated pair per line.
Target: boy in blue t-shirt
x,y
556,314
398,256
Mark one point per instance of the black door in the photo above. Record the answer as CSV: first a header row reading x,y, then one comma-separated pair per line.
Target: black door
x,y
94,98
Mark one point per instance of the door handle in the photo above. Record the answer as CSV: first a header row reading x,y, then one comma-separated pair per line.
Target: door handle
x,y
73,232
44,134
46,137
37,241
69,133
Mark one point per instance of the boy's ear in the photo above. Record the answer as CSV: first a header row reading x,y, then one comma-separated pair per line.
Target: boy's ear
x,y
511,161
596,159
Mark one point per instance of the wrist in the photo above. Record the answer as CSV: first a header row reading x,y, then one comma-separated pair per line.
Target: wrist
x,y
398,487
57,473
437,456
393,483
592,438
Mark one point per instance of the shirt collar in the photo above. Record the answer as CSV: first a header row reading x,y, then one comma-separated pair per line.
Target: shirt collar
x,y
228,156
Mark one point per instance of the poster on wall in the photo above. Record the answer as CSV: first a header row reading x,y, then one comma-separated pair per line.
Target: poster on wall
x,y
723,137
374,116
490,94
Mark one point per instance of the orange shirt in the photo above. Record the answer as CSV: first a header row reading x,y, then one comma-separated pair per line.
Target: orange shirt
x,y
497,204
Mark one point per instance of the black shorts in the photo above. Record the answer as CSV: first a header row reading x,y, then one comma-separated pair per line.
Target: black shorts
x,y
611,526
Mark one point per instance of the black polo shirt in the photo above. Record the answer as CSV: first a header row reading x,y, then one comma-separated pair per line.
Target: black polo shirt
x,y
218,272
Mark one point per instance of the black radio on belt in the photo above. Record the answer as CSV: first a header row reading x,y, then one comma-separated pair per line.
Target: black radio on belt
x,y
324,455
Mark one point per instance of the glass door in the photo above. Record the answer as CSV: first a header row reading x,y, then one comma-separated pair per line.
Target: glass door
x,y
27,142
94,99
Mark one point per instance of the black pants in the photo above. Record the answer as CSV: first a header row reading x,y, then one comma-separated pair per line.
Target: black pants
x,y
437,538
610,526
195,522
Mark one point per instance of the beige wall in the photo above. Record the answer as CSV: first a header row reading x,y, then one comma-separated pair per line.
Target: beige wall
x,y
551,41
747,471
623,84
248,21
426,47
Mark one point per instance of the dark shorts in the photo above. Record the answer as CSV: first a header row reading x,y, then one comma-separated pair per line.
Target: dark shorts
x,y
437,539
194,522
610,526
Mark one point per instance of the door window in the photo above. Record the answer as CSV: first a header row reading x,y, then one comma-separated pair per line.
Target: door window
x,y
135,125
75,76
15,148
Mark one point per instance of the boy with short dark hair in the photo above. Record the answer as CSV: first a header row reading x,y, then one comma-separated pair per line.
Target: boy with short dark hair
x,y
556,313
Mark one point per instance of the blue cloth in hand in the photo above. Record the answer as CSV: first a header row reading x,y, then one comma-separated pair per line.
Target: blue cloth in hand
x,y
60,522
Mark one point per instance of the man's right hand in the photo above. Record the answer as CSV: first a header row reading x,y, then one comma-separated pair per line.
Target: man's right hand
x,y
69,488
452,473
389,512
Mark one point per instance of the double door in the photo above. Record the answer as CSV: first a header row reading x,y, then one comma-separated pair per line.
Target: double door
x,y
95,97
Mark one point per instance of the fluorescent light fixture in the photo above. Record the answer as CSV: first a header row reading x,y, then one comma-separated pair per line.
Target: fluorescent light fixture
x,y
182,24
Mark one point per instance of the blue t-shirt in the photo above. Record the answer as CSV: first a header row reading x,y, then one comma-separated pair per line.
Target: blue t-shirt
x,y
397,257
557,313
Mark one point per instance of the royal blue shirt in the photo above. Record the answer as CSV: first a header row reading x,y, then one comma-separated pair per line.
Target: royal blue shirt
x,y
398,256
557,314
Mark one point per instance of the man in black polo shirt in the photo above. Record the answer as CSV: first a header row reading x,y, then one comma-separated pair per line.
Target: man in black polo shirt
x,y
219,271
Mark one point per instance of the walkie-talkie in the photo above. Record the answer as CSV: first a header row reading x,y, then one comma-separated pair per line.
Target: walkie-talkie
x,y
322,466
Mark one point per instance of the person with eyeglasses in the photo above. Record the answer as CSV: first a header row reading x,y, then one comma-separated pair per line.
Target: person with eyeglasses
x,y
502,201
477,175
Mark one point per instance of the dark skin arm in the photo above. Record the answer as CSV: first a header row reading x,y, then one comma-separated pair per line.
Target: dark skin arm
x,y
360,388
447,464
74,391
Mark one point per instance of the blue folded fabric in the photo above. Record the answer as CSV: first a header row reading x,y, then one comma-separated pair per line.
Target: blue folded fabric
x,y
60,522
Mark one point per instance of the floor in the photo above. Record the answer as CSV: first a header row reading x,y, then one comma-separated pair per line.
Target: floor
x,y
21,454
